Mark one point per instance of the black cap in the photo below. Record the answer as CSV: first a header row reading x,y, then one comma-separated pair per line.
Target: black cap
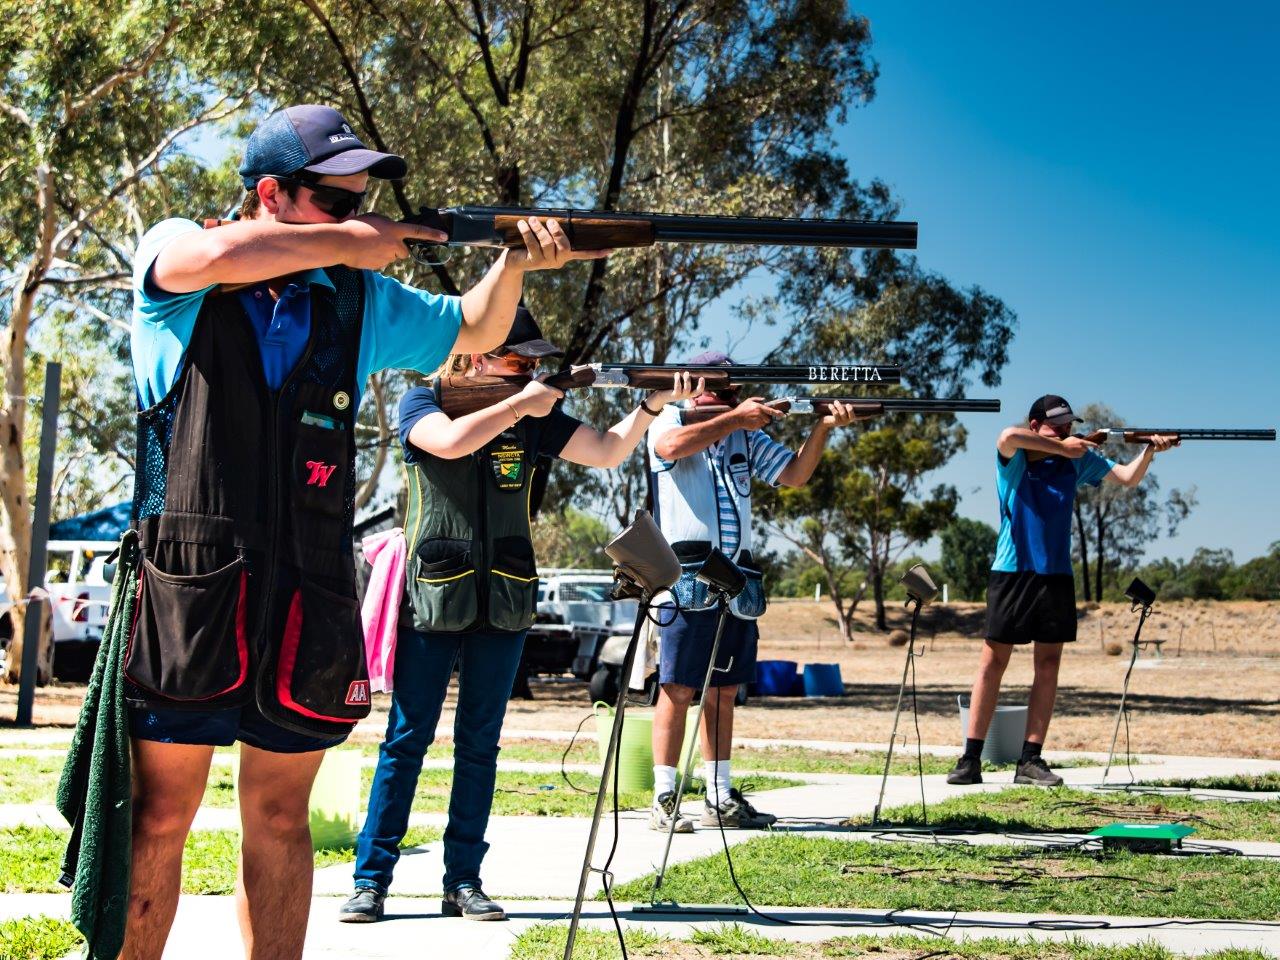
x,y
1053,409
314,138
525,338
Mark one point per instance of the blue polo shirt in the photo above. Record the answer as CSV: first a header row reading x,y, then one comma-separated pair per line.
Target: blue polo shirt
x,y
404,328
1037,498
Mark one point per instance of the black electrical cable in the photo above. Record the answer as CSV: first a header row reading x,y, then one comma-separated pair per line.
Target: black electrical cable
x,y
926,927
564,773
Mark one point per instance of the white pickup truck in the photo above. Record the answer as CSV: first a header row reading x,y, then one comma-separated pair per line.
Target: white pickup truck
x,y
80,590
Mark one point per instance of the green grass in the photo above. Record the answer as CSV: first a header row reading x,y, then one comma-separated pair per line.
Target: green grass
x,y
1034,810
37,938
546,942
821,871
29,779
543,794
1245,782
34,779
29,858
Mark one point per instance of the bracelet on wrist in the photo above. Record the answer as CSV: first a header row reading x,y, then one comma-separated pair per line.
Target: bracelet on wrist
x,y
515,411
644,405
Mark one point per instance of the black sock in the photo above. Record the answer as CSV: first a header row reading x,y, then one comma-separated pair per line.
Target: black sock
x,y
973,748
1030,751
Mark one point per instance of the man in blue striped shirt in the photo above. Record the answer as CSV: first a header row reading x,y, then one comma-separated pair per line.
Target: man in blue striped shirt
x,y
701,480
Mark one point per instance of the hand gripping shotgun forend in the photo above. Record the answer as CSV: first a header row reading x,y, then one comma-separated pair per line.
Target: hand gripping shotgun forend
x,y
875,406
472,226
461,394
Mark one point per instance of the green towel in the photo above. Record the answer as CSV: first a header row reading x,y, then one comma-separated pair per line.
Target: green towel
x,y
94,792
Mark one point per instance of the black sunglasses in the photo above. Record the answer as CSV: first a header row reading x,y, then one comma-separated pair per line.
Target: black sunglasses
x,y
335,201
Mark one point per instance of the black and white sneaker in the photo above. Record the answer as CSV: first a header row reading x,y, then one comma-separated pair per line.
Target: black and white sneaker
x,y
663,809
735,813
966,771
365,906
1036,772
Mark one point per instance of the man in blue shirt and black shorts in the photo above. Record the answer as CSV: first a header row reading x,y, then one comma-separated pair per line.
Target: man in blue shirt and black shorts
x,y
1031,596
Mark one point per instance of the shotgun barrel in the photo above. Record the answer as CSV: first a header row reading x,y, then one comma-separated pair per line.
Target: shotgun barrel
x,y
1142,434
480,226
460,395
872,405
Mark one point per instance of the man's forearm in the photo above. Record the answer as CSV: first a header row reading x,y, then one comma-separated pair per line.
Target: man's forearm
x,y
247,252
680,442
1130,474
1015,438
799,470
489,308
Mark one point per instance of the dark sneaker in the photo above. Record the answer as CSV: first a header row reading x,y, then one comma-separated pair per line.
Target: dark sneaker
x,y
471,904
1036,771
663,809
967,770
365,906
736,813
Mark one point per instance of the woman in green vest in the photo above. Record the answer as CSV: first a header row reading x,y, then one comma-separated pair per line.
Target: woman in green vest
x,y
472,583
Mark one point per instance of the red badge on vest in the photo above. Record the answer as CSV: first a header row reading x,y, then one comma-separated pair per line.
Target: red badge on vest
x,y
358,693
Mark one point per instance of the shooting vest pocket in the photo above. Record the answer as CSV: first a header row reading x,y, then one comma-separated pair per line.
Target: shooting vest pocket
x,y
320,465
188,641
513,584
321,671
443,591
690,592
751,602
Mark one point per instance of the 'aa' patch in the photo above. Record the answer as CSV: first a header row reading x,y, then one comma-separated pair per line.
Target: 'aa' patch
x,y
358,693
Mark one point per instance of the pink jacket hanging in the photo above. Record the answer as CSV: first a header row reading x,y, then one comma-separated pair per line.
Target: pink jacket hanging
x,y
386,553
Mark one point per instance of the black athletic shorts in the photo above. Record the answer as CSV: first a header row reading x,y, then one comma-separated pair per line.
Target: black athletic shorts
x,y
1027,607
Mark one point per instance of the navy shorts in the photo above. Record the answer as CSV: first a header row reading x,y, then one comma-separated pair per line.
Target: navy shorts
x,y
685,648
222,728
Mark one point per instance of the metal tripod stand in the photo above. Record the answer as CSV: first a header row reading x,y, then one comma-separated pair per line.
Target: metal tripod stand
x,y
1124,693
686,764
897,713
608,777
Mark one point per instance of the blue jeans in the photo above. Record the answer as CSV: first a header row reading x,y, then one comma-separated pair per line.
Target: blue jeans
x,y
424,662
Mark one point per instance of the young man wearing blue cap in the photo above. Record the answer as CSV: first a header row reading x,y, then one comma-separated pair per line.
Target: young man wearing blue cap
x,y
251,346
701,477
1031,597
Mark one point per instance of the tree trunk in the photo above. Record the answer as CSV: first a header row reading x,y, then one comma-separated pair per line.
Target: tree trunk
x,y
15,507
1100,557
876,574
1083,540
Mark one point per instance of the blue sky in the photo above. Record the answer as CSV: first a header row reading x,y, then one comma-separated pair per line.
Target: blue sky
x,y
1109,172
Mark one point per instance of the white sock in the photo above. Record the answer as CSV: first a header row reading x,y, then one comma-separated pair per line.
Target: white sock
x,y
716,773
664,780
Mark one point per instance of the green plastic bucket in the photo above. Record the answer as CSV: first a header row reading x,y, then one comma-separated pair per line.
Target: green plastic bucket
x,y
334,813
335,800
635,751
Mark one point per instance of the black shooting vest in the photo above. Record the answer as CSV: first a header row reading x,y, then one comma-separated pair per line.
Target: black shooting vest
x,y
243,501
470,564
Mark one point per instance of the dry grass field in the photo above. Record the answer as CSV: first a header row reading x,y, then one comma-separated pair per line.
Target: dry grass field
x,y
1215,689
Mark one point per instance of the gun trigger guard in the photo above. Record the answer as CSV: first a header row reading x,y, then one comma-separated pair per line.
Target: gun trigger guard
x,y
425,259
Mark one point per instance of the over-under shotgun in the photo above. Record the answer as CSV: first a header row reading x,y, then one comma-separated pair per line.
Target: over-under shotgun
x,y
874,406
460,395
603,230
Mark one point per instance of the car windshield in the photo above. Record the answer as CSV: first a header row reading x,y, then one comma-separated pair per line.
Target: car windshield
x,y
584,590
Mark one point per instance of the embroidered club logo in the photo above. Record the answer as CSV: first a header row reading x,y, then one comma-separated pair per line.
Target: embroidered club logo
x,y
509,470
320,473
358,693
